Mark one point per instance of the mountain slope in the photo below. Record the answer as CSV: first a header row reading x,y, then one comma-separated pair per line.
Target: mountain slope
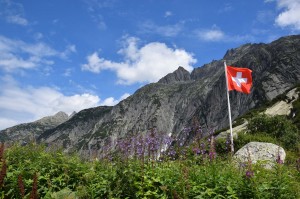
x,y
179,98
30,131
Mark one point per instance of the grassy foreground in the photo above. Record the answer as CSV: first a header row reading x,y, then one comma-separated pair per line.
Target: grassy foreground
x,y
34,172
141,166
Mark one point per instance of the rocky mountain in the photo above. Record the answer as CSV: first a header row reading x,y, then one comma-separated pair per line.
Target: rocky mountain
x,y
30,131
182,97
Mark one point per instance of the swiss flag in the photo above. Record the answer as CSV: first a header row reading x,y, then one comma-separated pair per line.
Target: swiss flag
x,y
239,79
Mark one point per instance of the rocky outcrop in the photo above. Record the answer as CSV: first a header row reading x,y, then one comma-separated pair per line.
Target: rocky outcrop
x,y
267,154
54,120
235,131
30,131
285,106
76,126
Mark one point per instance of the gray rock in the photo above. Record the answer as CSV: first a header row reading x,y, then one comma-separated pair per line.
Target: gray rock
x,y
266,153
30,131
235,131
54,120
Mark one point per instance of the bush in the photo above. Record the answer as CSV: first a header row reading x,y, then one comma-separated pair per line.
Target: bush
x,y
245,138
278,127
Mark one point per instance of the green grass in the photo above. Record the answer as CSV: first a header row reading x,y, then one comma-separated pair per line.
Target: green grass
x,y
194,176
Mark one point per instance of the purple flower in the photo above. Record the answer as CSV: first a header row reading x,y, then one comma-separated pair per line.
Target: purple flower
x,y
186,130
212,155
243,165
196,150
298,164
171,153
212,150
249,174
279,160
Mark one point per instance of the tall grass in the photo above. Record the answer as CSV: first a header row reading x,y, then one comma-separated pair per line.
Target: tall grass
x,y
142,171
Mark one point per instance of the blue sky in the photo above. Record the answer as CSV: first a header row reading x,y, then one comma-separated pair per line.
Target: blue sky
x,y
63,55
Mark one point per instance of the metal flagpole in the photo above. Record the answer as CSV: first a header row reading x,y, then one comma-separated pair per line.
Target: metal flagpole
x,y
229,111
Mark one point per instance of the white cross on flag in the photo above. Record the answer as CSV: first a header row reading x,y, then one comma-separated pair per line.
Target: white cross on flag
x,y
239,79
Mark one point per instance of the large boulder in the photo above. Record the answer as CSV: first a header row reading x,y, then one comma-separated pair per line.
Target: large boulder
x,y
266,153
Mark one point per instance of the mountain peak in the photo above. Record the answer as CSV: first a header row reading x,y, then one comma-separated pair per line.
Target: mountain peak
x,y
178,75
56,119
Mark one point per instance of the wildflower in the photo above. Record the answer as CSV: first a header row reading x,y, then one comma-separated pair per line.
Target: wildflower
x,y
196,150
186,130
34,191
298,165
171,153
21,186
243,165
1,151
279,160
249,174
3,173
212,150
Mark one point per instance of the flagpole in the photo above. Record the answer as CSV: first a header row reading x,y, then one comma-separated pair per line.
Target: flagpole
x,y
229,111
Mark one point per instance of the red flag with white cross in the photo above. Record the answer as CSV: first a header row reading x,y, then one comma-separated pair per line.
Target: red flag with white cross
x,y
239,79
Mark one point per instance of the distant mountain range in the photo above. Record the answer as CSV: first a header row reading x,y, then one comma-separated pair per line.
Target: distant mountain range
x,y
175,101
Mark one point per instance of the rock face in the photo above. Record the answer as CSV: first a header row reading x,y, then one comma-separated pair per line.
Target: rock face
x,y
284,106
235,131
179,98
83,121
30,131
260,151
54,120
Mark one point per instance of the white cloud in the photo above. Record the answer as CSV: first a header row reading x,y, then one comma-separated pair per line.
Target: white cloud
x,y
68,72
16,19
42,101
5,123
290,16
146,64
227,7
13,12
38,36
168,14
16,54
111,101
95,7
265,16
124,96
69,50
20,104
213,34
149,27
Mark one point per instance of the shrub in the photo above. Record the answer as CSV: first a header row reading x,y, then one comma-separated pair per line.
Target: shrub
x,y
244,138
278,127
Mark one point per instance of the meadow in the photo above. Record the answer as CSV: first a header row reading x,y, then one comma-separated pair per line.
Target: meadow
x,y
144,167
